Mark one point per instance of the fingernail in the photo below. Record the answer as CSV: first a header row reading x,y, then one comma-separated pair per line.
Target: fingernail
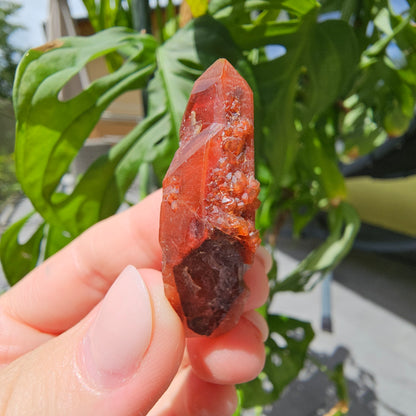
x,y
259,322
265,257
121,332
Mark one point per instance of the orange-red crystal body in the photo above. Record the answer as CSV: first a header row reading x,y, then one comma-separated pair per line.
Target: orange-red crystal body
x,y
207,231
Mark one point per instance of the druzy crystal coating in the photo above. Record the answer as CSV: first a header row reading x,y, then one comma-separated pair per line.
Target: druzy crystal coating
x,y
207,231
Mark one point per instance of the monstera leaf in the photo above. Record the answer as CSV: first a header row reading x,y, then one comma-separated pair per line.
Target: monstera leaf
x,y
50,131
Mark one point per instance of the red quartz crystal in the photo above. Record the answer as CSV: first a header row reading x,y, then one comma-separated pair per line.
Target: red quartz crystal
x,y
207,231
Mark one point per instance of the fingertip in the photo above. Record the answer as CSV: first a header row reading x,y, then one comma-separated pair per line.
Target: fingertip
x,y
258,285
168,328
189,395
259,322
234,357
121,332
265,257
200,394
160,362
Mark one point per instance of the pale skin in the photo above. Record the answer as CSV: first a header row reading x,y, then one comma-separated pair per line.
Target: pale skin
x,y
84,335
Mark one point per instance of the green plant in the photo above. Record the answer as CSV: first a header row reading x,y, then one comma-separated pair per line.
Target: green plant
x,y
9,57
9,54
9,187
343,69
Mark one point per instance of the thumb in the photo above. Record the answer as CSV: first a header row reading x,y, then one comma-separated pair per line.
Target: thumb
x,y
118,361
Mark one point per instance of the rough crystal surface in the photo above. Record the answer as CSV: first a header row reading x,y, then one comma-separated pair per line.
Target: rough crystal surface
x,y
207,231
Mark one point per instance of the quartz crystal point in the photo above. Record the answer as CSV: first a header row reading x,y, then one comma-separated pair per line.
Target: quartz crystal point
x,y
207,231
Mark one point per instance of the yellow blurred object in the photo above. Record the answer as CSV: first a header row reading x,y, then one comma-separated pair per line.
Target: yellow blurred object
x,y
340,409
386,203
198,7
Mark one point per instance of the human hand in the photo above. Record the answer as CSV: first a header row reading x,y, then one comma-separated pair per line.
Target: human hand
x,y
84,335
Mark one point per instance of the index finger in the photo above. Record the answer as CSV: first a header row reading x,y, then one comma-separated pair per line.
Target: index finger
x,y
61,291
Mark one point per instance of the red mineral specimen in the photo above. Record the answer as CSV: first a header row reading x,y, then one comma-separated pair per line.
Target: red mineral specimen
x,y
207,231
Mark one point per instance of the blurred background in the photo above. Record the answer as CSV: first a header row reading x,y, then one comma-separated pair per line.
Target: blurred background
x,y
364,314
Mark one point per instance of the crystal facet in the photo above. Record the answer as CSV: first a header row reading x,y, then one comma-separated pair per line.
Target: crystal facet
x,y
207,231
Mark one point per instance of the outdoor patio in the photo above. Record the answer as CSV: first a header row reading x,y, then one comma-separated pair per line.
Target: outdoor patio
x,y
374,331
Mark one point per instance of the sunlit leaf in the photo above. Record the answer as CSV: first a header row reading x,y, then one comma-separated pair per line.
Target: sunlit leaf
x,y
198,7
104,14
224,9
344,224
56,239
286,351
321,57
19,258
317,162
50,132
180,61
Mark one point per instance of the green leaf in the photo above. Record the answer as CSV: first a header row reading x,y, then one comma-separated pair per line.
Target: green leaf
x,y
238,410
318,162
56,239
382,21
181,60
93,13
269,197
104,14
225,9
101,189
18,258
297,87
50,131
382,105
344,224
360,132
172,21
337,376
286,351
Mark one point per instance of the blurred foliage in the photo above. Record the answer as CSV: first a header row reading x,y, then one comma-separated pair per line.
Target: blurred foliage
x,y
9,58
9,54
9,187
7,126
331,81
104,14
